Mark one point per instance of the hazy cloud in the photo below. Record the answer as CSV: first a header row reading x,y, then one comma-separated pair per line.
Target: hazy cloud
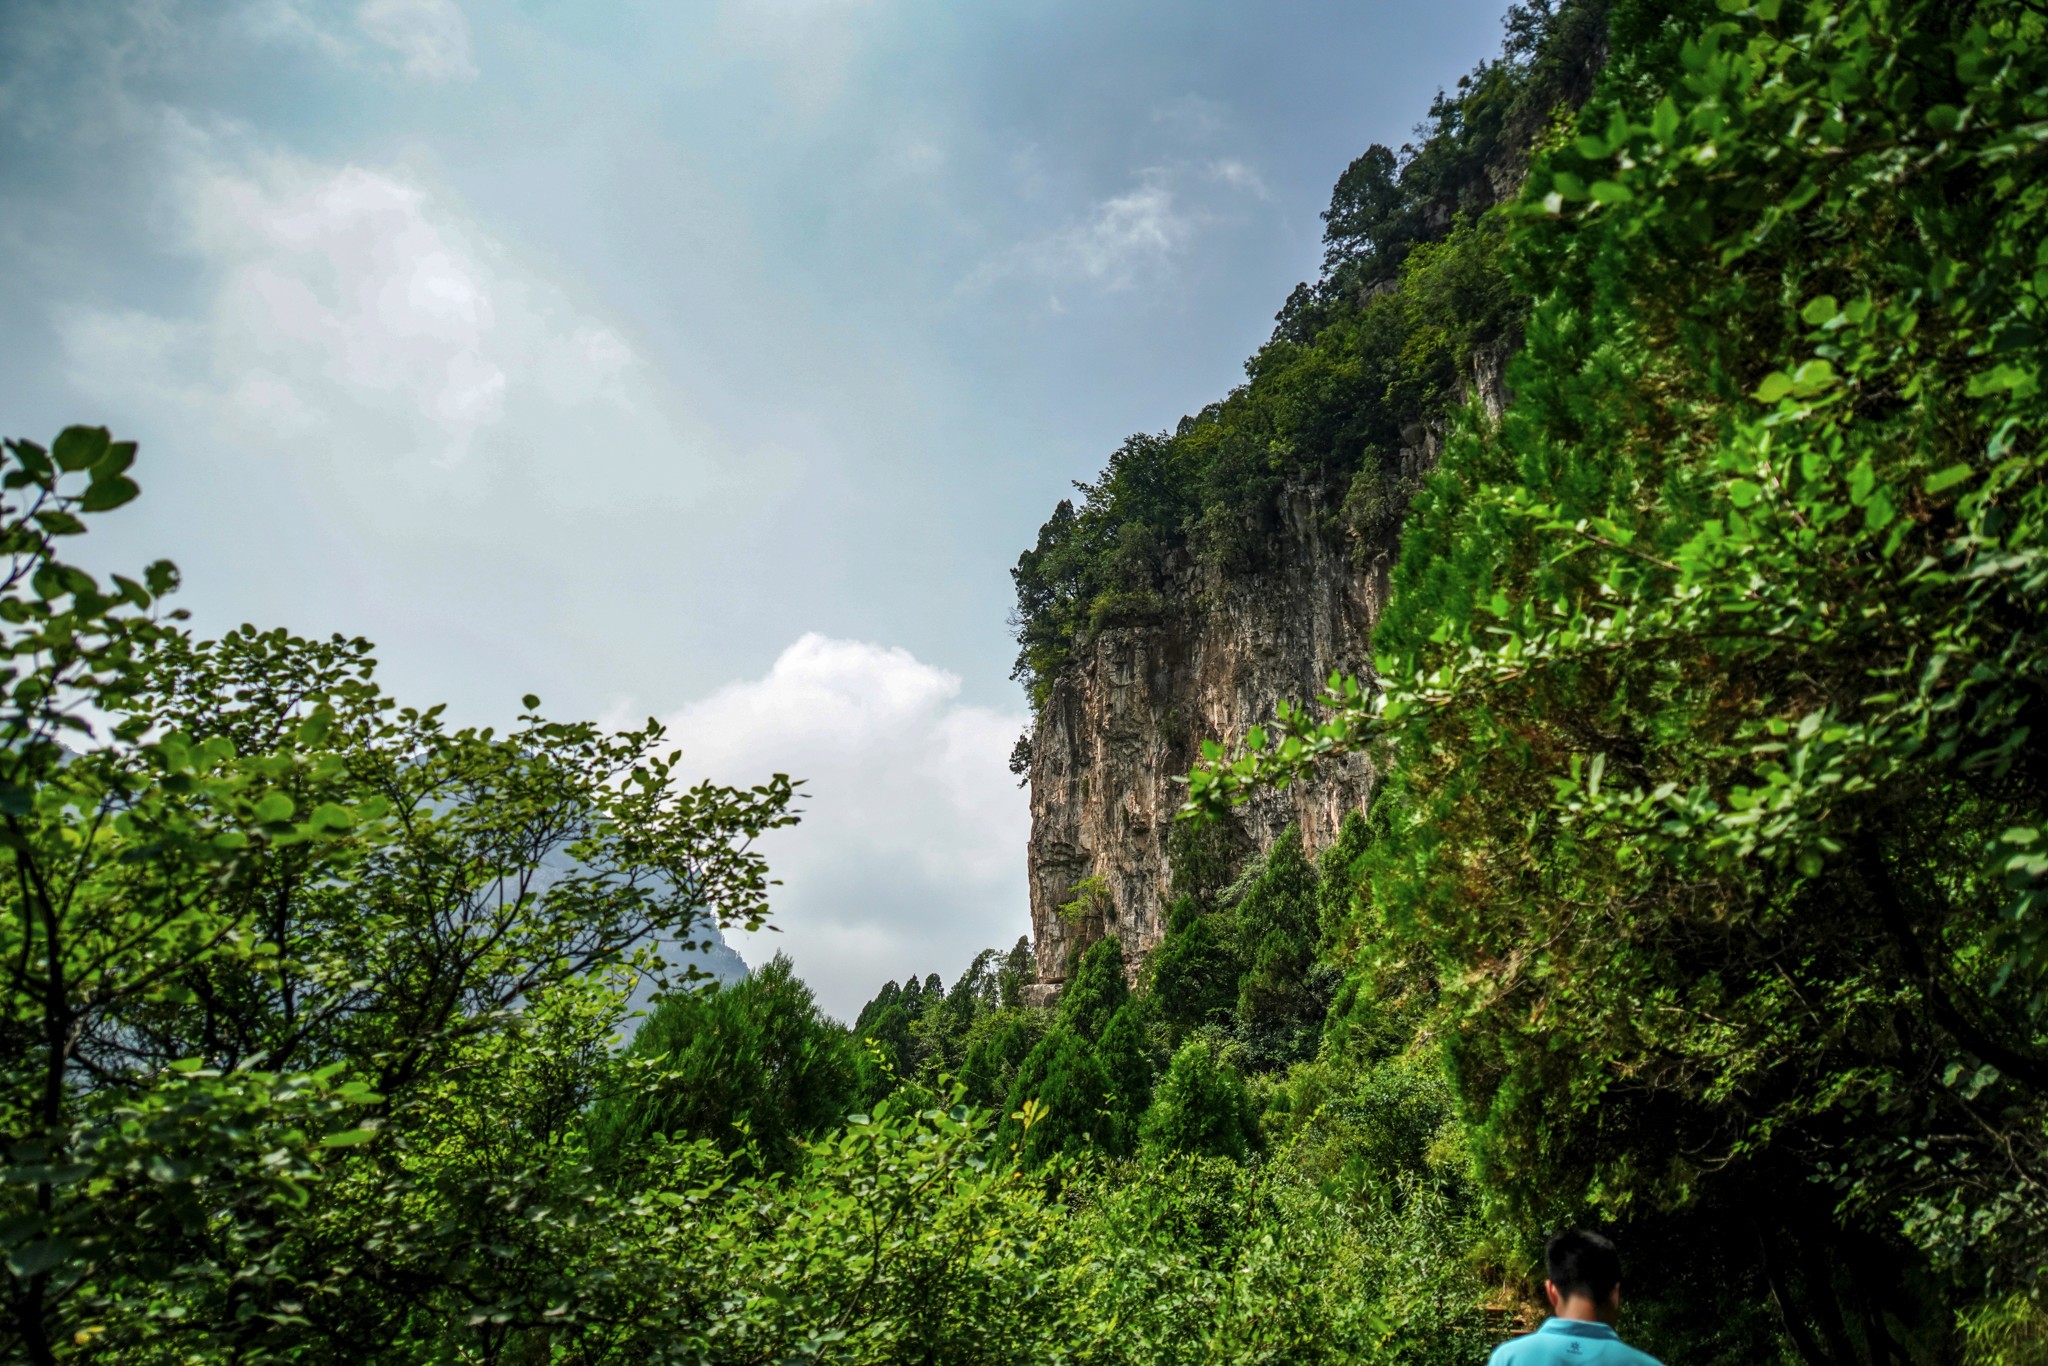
x,y
427,39
1238,176
910,856
1127,238
351,305
812,47
429,36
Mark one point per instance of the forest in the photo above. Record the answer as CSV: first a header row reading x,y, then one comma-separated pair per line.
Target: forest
x,y
1703,898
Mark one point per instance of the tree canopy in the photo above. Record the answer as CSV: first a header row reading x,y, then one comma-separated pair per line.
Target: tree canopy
x,y
1712,673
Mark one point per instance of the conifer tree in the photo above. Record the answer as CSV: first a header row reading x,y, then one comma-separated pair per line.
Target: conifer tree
x,y
1202,1105
753,1065
1281,998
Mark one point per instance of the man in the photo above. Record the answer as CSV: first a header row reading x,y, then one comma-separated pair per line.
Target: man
x,y
1584,1290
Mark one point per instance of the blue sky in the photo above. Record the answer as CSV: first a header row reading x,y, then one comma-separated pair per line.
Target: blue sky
x,y
707,360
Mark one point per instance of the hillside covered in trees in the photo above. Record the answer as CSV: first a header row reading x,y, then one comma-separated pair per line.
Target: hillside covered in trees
x,y
1700,898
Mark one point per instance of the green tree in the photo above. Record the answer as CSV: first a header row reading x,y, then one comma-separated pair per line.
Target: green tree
x,y
1284,991
272,945
1202,1105
925,1036
753,1066
1091,1073
1095,990
1125,1051
1712,673
1193,975
1065,1078
996,1046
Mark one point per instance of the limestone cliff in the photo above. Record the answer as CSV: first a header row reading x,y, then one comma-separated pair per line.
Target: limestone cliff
x,y
1127,716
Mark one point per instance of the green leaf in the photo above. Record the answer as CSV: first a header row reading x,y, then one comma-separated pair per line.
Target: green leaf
x,y
348,1138
104,495
315,727
1611,192
1813,375
329,816
275,807
2001,379
80,448
1665,121
34,459
1776,385
37,1258
1743,493
531,701
1819,310
59,523
1948,478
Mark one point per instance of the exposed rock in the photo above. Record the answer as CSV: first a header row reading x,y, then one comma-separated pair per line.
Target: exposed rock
x,y
1127,717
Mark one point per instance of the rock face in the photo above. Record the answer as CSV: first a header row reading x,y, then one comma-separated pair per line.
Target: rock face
x,y
1129,714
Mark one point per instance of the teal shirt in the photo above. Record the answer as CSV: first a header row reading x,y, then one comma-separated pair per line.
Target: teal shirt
x,y
1569,1342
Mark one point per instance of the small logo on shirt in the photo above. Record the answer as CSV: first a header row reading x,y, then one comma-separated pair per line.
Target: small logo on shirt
x,y
1573,1347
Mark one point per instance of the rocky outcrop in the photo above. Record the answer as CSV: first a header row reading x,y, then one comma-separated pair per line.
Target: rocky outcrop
x,y
1128,715
1127,718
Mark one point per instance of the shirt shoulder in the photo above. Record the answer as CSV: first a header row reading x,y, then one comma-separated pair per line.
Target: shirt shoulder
x,y
1526,1350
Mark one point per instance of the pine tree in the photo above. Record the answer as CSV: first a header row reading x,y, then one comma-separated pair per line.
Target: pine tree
x,y
1281,998
756,1053
1202,1105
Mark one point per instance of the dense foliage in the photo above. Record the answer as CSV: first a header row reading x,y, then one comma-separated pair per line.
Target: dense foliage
x,y
311,1014
754,1067
1712,683
1701,898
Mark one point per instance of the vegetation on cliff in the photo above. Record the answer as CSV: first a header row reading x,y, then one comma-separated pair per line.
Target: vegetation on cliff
x,y
1381,343
1711,676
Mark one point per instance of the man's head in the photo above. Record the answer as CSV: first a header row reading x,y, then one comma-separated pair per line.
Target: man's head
x,y
1585,1275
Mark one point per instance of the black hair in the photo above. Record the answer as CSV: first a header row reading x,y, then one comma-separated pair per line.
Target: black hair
x,y
1581,1262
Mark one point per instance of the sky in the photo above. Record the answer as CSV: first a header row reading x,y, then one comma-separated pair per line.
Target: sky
x,y
709,360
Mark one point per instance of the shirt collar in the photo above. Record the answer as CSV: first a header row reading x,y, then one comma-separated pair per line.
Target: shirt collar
x,y
1579,1328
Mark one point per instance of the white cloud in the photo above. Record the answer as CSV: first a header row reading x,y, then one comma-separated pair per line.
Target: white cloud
x,y
1123,235
353,308
1119,239
1129,237
910,857
430,36
1238,176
